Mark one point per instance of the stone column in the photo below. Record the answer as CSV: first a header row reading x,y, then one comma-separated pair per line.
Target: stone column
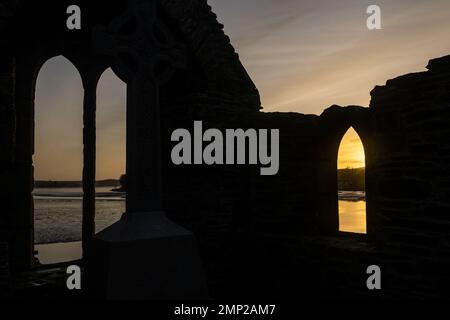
x,y
144,187
89,157
22,245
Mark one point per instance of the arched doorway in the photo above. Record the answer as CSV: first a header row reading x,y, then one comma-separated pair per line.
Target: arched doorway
x,y
58,162
351,165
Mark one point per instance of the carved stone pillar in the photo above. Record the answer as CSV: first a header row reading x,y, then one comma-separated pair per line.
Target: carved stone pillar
x,y
144,185
144,255
89,156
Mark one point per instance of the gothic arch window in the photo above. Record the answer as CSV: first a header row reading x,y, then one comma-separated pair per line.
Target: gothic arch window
x,y
110,149
351,165
58,162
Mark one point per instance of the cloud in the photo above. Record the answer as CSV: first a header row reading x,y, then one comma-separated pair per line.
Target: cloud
x,y
306,55
303,56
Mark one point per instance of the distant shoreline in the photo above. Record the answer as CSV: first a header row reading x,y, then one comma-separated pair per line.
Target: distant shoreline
x,y
350,195
113,183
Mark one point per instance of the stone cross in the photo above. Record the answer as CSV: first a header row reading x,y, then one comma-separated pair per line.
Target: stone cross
x,y
145,55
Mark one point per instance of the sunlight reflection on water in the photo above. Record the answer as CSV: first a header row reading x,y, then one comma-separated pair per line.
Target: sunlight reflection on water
x,y
352,216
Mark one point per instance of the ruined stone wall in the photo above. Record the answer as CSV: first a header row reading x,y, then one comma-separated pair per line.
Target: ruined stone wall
x,y
7,127
253,227
216,58
228,207
412,175
213,83
7,133
273,236
4,270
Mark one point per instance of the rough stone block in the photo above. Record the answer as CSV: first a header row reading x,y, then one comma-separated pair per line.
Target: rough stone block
x,y
145,256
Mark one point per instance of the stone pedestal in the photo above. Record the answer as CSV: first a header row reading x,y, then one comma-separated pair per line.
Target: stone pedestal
x,y
145,256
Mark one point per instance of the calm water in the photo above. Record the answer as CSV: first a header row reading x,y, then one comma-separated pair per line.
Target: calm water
x,y
352,211
58,219
352,216
58,252
58,212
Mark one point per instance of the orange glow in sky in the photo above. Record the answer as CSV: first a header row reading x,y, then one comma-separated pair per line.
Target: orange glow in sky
x,y
303,55
351,151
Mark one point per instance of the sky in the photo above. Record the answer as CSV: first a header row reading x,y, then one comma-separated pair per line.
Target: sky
x,y
59,124
351,151
303,55
307,55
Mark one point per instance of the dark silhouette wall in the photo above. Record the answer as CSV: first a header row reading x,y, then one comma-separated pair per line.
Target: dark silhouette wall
x,y
211,72
268,236
272,236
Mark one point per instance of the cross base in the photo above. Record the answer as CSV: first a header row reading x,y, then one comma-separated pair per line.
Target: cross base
x,y
145,256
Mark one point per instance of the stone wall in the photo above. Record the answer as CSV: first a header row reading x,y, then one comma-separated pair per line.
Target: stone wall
x,y
412,174
266,236
7,128
213,82
274,236
4,270
260,235
228,206
220,67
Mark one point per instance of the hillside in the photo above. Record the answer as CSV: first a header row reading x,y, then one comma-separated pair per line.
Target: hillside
x,y
351,179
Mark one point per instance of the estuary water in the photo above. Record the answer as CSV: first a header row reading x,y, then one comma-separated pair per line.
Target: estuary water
x,y
352,211
58,213
58,218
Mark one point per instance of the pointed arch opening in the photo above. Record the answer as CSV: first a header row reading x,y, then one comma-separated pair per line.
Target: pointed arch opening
x,y
111,150
351,165
58,162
